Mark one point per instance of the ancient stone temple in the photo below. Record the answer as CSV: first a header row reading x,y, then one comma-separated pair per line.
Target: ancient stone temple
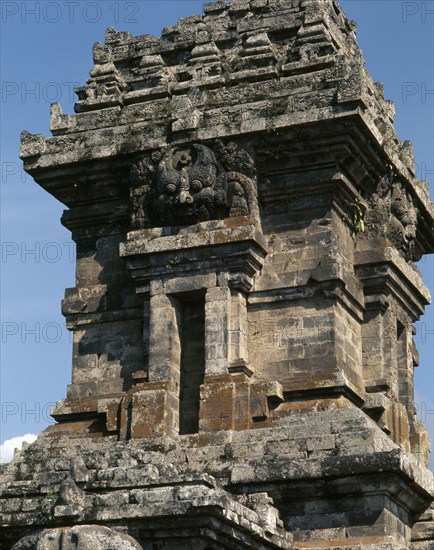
x,y
247,223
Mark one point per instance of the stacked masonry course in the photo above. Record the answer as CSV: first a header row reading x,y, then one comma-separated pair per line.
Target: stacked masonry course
x,y
247,223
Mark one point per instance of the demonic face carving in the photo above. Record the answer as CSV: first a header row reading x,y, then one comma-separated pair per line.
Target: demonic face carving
x,y
403,209
190,187
393,215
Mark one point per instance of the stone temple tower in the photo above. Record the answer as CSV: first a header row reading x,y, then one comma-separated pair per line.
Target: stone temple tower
x,y
247,223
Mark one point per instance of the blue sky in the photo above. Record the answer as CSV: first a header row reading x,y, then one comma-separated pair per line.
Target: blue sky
x,y
46,50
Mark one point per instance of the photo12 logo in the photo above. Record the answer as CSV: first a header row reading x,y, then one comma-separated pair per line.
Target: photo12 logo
x,y
50,332
424,173
37,252
38,92
69,11
417,11
425,333
13,172
425,411
416,91
26,412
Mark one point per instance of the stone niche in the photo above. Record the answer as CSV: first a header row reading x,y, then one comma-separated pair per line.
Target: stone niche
x,y
247,225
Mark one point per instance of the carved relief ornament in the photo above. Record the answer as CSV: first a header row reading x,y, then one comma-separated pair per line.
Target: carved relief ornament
x,y
185,186
393,215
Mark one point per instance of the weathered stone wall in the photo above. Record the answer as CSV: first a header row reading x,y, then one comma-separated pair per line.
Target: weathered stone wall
x,y
247,223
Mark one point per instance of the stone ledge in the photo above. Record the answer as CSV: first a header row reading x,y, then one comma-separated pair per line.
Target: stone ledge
x,y
157,240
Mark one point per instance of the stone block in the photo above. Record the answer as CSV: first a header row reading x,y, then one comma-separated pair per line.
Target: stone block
x,y
217,406
149,414
245,288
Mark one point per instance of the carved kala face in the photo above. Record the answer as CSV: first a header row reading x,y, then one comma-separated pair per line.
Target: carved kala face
x,y
393,214
402,207
187,186
399,202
